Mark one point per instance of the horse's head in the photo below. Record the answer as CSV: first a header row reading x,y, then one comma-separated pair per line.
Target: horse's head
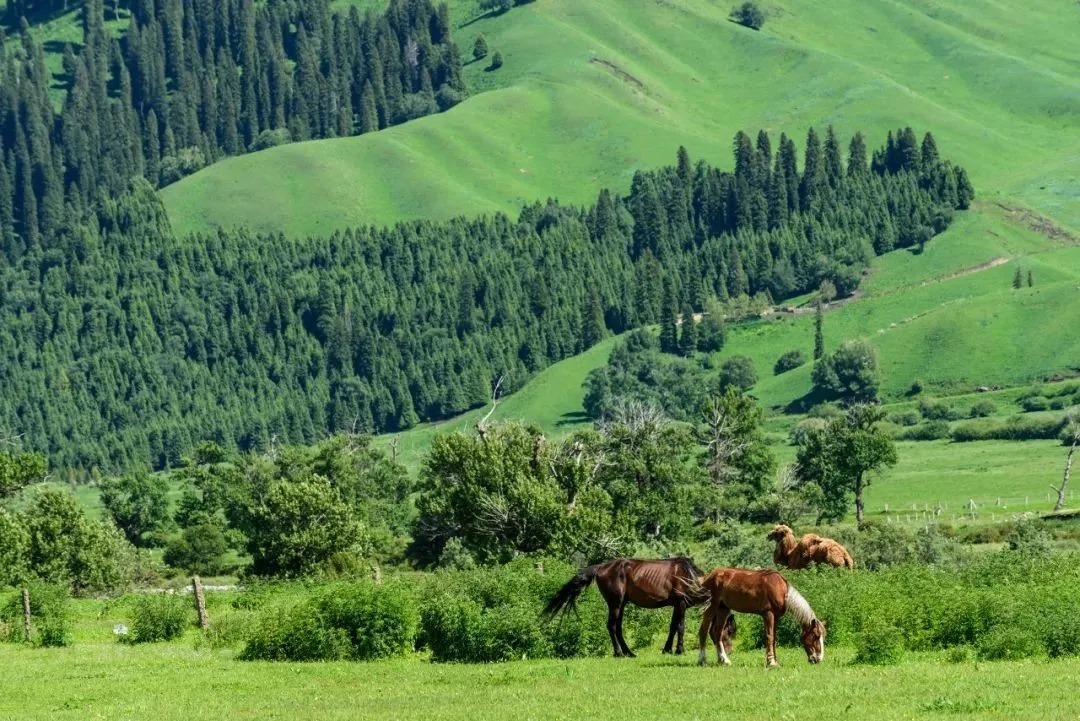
x,y
813,640
779,531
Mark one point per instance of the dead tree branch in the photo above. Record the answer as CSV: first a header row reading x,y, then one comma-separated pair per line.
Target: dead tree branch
x,y
481,425
1068,469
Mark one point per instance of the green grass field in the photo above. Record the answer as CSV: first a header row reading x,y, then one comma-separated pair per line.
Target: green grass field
x,y
108,680
591,91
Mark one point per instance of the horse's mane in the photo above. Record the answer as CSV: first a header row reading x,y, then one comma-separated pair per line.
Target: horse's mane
x,y
799,607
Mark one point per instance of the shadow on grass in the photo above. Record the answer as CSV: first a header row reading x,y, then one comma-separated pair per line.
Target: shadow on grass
x,y
572,419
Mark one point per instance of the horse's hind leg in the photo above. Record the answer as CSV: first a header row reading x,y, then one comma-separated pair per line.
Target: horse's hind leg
x,y
618,632
716,631
613,617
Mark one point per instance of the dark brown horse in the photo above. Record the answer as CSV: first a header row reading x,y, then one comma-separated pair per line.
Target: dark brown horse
x,y
769,595
646,583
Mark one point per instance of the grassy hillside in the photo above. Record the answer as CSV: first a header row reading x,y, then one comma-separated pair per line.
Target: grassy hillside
x,y
591,91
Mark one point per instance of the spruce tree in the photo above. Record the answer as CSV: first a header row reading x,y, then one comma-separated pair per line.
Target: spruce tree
x,y
819,334
1018,278
480,48
669,342
688,338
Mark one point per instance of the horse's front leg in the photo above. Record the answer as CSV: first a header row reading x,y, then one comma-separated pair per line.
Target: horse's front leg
x,y
679,619
673,628
618,631
770,638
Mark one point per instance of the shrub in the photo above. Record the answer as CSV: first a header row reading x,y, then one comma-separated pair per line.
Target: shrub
x,y
50,619
960,654
930,431
158,617
1063,639
269,139
880,645
905,418
789,361
828,411
1032,404
1008,643
1016,428
804,428
749,15
496,61
1029,539
933,410
738,371
983,408
358,621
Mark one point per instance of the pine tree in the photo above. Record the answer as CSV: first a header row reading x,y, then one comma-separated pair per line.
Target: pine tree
x,y
688,338
857,156
669,342
819,334
834,170
480,48
1018,279
1029,279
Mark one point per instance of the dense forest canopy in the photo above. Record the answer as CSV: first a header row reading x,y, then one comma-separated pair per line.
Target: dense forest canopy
x,y
190,82
122,345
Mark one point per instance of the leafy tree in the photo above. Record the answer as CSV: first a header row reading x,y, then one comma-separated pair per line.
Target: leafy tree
x,y
66,547
14,544
738,371
480,48
749,14
19,470
712,332
299,526
850,374
496,61
139,506
198,549
839,457
790,360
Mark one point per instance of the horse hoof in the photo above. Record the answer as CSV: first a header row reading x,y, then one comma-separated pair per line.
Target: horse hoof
x,y
666,651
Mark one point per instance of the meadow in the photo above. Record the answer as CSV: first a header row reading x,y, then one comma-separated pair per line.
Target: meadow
x,y
589,92
178,681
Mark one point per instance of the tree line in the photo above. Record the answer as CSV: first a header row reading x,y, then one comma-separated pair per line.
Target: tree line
x,y
191,82
122,345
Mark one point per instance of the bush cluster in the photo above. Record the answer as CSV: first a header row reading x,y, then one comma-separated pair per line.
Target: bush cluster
x,y
355,620
1015,428
49,616
158,617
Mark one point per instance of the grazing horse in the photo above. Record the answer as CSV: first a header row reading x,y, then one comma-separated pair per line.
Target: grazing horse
x,y
811,548
769,595
651,583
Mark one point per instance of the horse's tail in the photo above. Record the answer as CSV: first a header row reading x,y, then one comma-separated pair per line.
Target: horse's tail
x,y
565,599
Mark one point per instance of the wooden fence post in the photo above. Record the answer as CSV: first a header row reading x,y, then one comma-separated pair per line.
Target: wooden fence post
x,y
26,613
200,602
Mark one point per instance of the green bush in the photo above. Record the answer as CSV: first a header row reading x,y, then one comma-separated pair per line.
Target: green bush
x,y
983,408
1063,638
749,14
789,361
158,617
933,410
355,620
960,654
1016,428
1008,643
905,418
1032,404
930,431
879,645
49,616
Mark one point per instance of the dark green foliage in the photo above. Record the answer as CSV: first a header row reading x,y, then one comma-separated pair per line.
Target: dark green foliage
x,y
254,340
496,61
1018,279
929,431
849,374
49,616
819,335
879,645
738,371
159,617
198,549
790,360
495,6
1014,428
19,470
480,48
749,14
934,410
357,621
1008,644
1029,539
838,458
138,505
983,408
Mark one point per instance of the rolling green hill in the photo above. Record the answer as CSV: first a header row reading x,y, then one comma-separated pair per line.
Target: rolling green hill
x,y
591,91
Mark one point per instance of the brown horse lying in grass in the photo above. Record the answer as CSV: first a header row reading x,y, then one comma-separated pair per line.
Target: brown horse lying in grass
x,y
769,595
811,548
647,583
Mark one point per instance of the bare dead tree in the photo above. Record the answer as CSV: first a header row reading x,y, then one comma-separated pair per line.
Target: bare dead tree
x,y
481,425
724,446
1068,469
394,448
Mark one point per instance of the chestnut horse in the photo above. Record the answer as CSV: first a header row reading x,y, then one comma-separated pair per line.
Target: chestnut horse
x,y
769,595
649,583
811,548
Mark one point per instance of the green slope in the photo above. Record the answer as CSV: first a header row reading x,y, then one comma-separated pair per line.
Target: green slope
x,y
591,91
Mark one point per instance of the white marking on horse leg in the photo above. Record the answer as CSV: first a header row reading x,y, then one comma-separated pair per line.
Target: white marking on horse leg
x,y
721,655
